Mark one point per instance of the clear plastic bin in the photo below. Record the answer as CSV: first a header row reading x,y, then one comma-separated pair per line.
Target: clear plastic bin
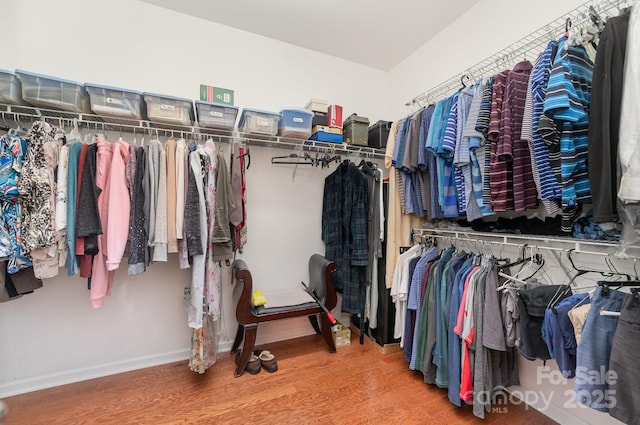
x,y
10,89
168,109
115,102
295,123
216,115
51,92
255,121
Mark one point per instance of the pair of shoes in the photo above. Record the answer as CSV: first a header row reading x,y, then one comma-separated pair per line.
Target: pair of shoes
x,y
253,366
267,360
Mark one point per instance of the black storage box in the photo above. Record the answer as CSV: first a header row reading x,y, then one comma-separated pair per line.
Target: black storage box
x,y
319,118
378,134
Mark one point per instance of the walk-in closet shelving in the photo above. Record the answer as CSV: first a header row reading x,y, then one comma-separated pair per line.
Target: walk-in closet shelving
x,y
528,46
554,243
11,115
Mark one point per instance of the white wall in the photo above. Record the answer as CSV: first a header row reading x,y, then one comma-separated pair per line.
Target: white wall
x,y
487,28
53,336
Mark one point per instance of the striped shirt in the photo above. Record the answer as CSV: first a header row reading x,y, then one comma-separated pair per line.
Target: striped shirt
x,y
511,148
425,124
461,158
473,182
500,176
547,184
442,124
446,151
482,126
567,101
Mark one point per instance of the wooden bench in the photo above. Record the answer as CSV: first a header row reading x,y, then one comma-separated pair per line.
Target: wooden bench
x,y
320,279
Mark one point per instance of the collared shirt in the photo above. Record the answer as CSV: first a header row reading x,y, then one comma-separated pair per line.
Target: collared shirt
x,y
567,101
445,152
511,148
500,176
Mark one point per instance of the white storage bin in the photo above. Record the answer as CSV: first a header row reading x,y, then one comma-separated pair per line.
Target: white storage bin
x,y
317,105
255,121
10,89
115,102
168,109
295,123
216,115
51,92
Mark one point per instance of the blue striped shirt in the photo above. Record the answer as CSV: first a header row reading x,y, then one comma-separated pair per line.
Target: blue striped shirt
x,y
567,101
549,187
445,152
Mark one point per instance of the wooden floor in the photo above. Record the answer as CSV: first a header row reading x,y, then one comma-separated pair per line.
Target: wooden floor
x,y
355,386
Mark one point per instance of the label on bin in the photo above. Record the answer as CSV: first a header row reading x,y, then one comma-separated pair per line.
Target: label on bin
x,y
216,114
115,101
263,123
166,107
298,119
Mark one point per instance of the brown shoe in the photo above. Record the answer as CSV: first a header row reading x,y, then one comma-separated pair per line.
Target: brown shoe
x,y
268,361
253,366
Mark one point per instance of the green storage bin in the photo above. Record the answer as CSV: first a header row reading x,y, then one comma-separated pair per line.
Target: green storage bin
x,y
356,130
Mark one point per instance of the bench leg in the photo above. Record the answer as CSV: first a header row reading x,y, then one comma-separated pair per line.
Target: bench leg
x,y
250,333
314,322
238,340
326,332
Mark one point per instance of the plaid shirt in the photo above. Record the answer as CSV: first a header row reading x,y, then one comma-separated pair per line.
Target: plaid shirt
x,y
344,232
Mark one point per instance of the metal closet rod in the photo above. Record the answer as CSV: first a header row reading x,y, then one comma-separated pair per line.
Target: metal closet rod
x,y
528,46
510,240
20,113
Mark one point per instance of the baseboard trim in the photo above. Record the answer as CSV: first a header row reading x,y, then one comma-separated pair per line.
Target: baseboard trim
x,y
554,411
22,386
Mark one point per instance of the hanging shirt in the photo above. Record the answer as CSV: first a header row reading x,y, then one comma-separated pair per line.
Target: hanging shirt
x,y
500,175
629,148
449,195
567,101
604,115
548,186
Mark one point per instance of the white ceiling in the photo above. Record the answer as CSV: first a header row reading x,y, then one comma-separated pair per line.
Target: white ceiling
x,y
376,33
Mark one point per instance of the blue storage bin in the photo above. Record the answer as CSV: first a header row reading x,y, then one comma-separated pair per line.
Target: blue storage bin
x,y
169,109
326,136
216,115
295,123
10,88
51,92
115,102
256,121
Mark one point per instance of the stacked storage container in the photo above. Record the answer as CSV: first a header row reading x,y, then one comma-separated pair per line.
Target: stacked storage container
x,y
51,92
258,123
356,130
216,115
115,102
10,88
295,123
169,109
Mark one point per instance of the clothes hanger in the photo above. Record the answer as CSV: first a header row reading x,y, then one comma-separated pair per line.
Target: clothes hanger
x,y
289,159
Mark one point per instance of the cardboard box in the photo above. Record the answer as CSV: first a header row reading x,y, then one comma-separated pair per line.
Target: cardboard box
x,y
342,338
316,105
335,116
216,94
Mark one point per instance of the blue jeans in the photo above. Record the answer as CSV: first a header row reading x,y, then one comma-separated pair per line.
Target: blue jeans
x,y
594,350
